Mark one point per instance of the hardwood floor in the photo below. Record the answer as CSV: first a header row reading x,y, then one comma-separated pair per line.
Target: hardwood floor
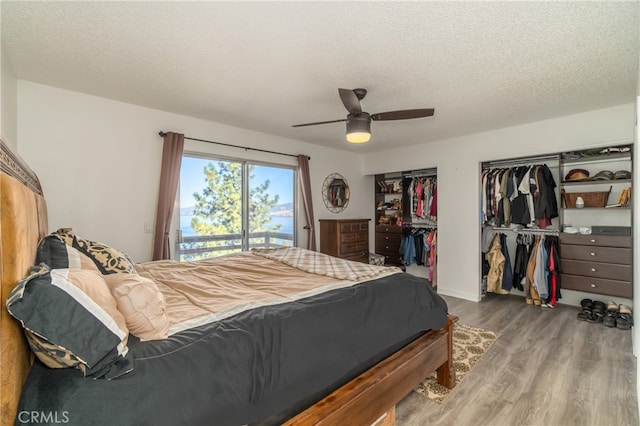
x,y
546,368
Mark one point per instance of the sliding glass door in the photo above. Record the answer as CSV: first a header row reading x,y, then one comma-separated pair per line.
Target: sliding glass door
x,y
228,206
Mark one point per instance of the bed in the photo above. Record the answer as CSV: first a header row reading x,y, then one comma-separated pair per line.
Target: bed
x,y
324,349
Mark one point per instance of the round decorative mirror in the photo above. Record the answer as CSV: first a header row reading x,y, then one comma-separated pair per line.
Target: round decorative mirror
x,y
335,193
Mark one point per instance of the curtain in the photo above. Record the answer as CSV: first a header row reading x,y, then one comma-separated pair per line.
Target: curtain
x,y
305,184
169,176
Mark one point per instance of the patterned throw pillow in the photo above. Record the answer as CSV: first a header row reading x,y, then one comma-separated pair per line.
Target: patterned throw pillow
x,y
53,252
71,320
107,259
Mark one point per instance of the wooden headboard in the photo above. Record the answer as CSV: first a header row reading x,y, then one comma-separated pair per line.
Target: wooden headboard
x,y
23,222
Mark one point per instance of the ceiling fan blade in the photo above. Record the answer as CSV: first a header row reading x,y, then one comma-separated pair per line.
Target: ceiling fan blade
x,y
403,114
350,100
319,122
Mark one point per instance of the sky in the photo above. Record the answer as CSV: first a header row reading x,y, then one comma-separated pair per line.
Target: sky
x,y
192,180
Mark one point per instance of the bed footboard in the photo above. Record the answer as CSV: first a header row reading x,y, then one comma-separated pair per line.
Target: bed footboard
x,y
371,397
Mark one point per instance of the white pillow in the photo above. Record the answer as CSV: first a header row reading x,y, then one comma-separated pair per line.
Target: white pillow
x,y
142,305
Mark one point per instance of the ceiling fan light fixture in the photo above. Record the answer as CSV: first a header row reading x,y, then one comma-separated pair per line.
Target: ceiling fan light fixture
x,y
359,128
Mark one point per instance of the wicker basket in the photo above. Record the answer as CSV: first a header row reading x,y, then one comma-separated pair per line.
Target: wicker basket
x,y
591,199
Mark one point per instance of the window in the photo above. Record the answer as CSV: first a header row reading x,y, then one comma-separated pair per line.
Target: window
x,y
228,206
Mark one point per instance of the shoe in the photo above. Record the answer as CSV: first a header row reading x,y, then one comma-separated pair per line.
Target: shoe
x,y
625,319
586,303
612,306
599,309
595,318
583,316
610,319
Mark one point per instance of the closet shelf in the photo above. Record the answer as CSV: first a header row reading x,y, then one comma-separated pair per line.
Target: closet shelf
x,y
596,208
594,182
598,158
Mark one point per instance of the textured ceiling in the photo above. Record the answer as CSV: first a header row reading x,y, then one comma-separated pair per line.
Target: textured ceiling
x,y
267,65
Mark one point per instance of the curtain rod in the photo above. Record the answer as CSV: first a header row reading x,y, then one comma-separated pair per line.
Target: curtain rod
x,y
162,134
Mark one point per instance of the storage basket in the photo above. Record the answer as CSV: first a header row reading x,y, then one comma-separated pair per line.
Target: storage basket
x,y
376,259
591,199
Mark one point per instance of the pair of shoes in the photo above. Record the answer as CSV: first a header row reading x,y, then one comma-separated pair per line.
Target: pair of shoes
x,y
624,321
598,311
591,310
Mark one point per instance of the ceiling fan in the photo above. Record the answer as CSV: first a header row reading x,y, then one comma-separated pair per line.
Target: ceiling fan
x,y
359,122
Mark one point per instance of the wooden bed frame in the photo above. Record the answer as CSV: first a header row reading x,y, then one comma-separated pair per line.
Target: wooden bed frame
x,y
368,399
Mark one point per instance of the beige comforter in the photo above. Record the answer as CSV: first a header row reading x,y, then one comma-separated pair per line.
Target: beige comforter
x,y
201,292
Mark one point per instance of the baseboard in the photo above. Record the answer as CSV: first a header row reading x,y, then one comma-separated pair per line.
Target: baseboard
x,y
474,297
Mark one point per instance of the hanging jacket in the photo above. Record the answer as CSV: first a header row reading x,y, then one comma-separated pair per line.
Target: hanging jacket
x,y
546,204
519,206
496,267
507,275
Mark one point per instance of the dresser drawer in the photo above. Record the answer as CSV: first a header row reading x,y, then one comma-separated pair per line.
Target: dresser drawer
x,y
353,237
386,246
595,240
354,226
597,270
347,249
597,285
596,254
389,229
389,238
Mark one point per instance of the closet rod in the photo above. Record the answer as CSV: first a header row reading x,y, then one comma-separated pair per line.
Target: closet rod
x,y
162,134
421,173
527,230
522,161
420,225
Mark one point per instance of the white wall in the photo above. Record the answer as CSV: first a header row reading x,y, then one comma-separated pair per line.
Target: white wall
x,y
458,162
99,160
99,163
8,101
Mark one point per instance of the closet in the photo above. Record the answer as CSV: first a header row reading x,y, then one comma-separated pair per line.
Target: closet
x,y
406,211
520,226
558,221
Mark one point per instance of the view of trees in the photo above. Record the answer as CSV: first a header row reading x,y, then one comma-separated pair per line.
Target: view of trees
x,y
218,207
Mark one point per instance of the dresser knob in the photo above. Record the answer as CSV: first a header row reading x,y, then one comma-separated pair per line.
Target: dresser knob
x,y
593,241
593,269
593,286
592,254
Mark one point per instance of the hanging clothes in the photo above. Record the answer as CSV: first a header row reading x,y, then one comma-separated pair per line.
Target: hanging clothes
x,y
507,272
553,267
531,294
523,243
496,263
523,195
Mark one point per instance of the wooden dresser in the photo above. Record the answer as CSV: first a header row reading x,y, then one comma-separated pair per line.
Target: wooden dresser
x,y
345,238
388,239
597,264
